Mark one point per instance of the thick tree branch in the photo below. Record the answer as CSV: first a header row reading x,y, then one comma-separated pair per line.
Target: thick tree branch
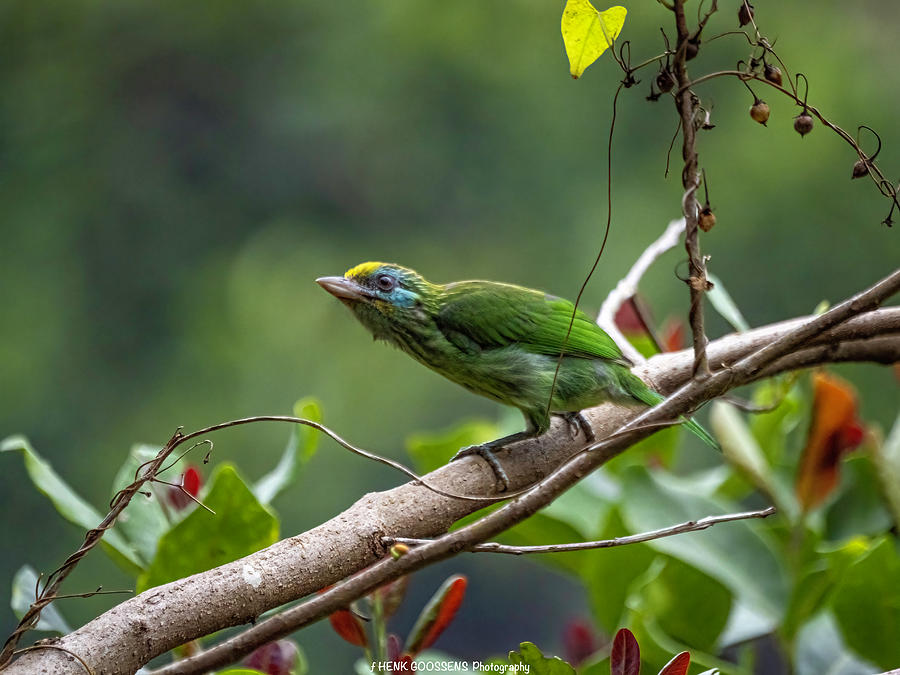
x,y
130,634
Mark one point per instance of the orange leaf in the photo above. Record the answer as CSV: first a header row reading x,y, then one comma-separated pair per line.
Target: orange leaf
x,y
834,431
437,614
348,626
672,335
678,665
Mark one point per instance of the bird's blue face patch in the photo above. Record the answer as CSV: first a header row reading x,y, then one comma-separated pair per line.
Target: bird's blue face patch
x,y
391,284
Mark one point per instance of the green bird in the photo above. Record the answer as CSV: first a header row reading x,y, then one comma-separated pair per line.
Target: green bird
x,y
498,340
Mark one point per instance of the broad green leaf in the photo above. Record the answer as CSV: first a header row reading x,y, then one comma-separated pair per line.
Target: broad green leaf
x,y
770,429
866,604
689,605
588,33
432,450
145,519
304,440
808,596
725,306
23,589
859,508
820,650
538,664
735,554
611,572
69,504
203,540
542,529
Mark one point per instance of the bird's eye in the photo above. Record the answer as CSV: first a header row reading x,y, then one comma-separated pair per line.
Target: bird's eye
x,y
385,282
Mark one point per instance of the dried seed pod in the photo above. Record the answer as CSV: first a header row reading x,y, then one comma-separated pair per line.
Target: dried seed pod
x,y
772,74
745,13
692,48
707,219
803,123
860,169
665,80
759,111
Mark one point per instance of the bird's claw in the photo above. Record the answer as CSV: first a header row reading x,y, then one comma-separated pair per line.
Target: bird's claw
x,y
488,456
578,422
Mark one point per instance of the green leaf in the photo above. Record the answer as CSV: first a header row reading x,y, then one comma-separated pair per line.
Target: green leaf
x,y
866,604
725,306
203,540
859,508
612,571
144,520
588,33
735,554
240,671
739,446
69,504
304,440
432,450
772,428
541,529
23,589
820,650
538,664
808,596
689,606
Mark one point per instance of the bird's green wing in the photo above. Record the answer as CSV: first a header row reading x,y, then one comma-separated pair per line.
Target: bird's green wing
x,y
477,315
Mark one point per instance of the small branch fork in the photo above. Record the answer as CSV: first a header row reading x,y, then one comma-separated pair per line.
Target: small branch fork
x,y
628,287
689,526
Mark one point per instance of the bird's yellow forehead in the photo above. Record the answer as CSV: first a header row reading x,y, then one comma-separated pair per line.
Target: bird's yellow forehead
x,y
362,270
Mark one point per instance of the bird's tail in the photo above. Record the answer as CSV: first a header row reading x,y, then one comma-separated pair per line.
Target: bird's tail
x,y
639,390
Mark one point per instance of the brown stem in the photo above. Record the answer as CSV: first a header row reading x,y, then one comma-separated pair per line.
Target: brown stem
x,y
690,180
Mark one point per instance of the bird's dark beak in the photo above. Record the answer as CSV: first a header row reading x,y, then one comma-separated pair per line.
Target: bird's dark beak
x,y
342,288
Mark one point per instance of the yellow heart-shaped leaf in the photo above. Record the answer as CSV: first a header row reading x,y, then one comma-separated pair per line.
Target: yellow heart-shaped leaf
x,y
588,33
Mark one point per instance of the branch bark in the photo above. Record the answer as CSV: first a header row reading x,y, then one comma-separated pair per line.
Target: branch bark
x,y
130,634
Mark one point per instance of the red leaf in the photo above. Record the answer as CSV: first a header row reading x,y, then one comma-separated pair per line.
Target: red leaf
x,y
579,641
678,665
628,319
625,658
348,626
191,480
437,614
834,431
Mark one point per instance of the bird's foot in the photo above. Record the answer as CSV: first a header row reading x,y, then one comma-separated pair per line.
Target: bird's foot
x,y
486,453
578,422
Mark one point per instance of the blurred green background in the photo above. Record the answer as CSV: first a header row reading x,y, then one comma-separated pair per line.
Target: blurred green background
x,y
173,176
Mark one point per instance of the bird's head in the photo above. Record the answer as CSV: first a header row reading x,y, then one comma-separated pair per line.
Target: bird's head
x,y
383,296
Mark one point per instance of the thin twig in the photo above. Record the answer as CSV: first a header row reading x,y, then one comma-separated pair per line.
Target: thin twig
x,y
885,187
628,286
689,526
